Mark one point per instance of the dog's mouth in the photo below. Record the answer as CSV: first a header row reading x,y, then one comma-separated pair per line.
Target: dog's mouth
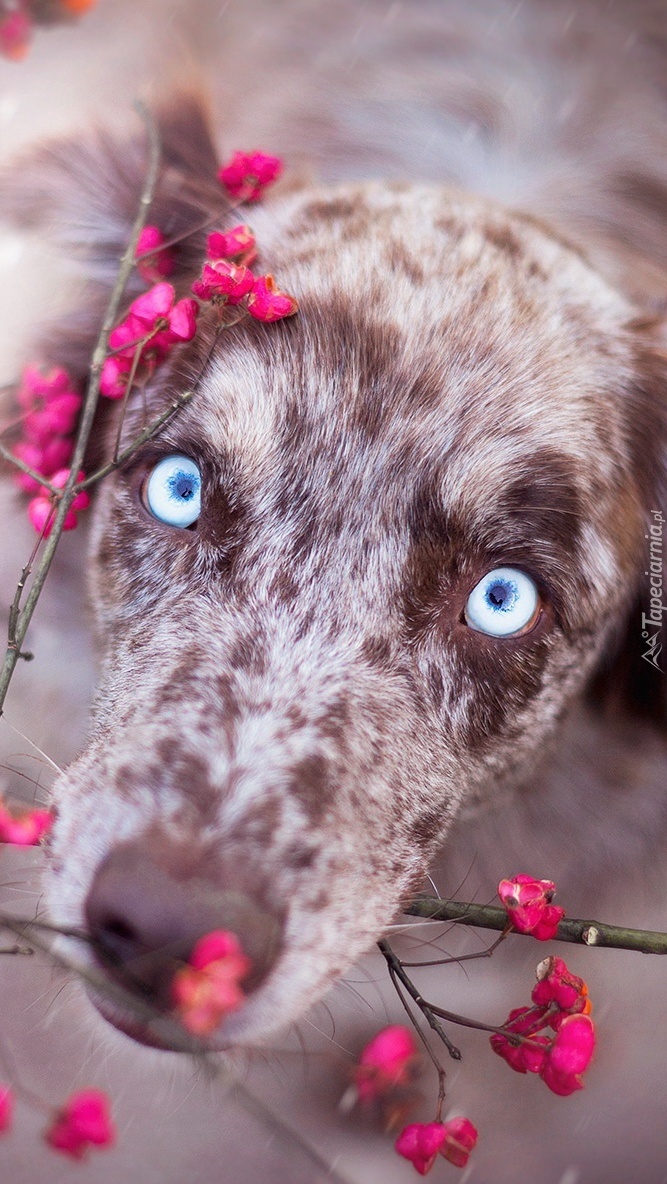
x,y
159,1031
141,1033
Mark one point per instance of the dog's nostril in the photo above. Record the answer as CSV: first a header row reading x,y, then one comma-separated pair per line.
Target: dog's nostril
x,y
119,928
114,940
143,922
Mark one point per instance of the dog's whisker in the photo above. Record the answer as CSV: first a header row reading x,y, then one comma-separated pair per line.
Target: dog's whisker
x,y
32,744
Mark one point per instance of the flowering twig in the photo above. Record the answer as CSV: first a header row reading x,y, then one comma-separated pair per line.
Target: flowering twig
x,y
577,932
23,617
161,1024
178,1038
20,464
146,434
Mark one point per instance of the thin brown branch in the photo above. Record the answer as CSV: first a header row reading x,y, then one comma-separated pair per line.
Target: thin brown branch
x,y
147,434
24,468
136,360
577,932
24,617
432,1057
485,953
428,1011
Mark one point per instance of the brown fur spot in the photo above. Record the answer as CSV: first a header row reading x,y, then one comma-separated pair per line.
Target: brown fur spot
x,y
504,239
312,786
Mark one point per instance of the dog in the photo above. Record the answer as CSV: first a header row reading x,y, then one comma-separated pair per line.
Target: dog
x,y
309,692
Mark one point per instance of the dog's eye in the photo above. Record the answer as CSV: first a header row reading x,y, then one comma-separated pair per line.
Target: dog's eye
x,y
172,491
504,603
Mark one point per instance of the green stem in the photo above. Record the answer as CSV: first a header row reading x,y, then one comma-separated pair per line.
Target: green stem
x,y
586,933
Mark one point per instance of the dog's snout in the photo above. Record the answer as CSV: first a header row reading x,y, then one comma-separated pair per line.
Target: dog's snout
x,y
144,918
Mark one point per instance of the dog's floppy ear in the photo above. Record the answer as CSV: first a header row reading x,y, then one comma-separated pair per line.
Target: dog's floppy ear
x,y
632,679
83,194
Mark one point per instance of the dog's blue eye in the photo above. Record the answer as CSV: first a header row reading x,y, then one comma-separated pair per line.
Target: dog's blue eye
x,y
504,603
172,492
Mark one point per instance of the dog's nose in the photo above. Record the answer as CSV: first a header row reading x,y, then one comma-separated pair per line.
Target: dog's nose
x,y
143,921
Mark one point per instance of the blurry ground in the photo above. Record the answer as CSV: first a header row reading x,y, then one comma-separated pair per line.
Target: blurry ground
x,y
175,1123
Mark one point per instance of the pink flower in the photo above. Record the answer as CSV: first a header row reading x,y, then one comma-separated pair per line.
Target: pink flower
x,y
238,243
24,830
524,1057
45,459
385,1062
57,417
6,1108
569,1055
114,376
248,174
460,1141
83,1122
38,384
267,303
51,403
52,406
207,989
157,320
557,985
422,1142
223,281
15,34
154,262
528,905
155,323
41,510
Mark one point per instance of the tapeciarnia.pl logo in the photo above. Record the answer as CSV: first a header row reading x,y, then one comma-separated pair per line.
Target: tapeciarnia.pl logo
x,y
652,621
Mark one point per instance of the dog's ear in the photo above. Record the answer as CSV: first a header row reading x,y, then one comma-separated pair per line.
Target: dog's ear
x,y
83,195
631,681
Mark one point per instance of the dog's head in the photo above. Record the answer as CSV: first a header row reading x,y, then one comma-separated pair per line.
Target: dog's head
x,y
424,502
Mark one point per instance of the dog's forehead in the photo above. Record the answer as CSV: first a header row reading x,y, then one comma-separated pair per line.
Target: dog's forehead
x,y
430,329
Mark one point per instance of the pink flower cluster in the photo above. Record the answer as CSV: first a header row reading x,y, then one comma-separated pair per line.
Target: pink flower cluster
x,y
385,1062
529,908
84,1121
248,174
560,1002
226,278
207,989
24,829
422,1142
50,404
154,324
